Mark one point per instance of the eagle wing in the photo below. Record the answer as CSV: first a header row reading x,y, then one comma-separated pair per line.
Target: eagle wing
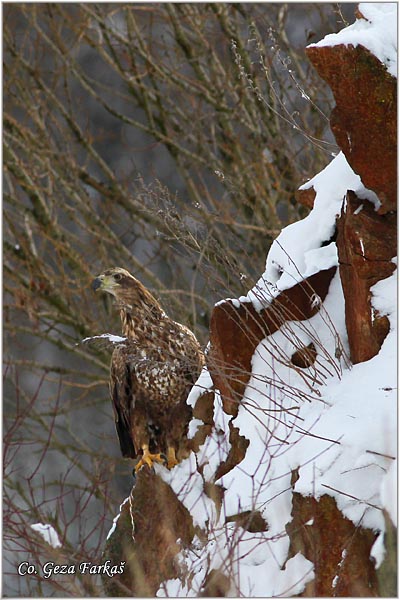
x,y
149,384
123,400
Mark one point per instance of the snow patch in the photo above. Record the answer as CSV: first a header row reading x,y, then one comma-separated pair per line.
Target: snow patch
x,y
378,550
48,533
388,492
116,518
203,384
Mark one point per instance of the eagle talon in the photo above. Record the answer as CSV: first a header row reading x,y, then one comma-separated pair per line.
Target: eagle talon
x,y
148,459
171,458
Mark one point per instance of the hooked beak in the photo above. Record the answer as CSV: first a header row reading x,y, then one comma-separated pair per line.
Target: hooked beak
x,y
97,283
105,283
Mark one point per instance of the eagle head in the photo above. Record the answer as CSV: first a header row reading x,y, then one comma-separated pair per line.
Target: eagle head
x,y
115,281
126,289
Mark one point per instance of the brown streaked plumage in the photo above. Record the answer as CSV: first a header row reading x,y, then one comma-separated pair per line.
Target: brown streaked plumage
x,y
152,372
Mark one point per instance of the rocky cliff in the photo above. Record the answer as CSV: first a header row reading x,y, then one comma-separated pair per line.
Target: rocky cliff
x,y
288,489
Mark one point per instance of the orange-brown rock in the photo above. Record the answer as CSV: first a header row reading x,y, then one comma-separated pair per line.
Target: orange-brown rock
x,y
237,452
364,120
339,550
366,244
146,537
358,14
216,585
304,357
306,197
236,332
204,411
249,520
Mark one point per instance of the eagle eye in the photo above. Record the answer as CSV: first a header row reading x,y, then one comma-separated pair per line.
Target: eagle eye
x,y
117,277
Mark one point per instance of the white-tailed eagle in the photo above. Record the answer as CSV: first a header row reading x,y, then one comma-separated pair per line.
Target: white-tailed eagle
x,y
152,372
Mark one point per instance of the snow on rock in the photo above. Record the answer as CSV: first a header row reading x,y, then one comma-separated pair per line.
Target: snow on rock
x,y
297,252
186,480
332,423
216,447
187,484
354,63
362,418
48,533
378,550
338,428
377,32
203,383
384,295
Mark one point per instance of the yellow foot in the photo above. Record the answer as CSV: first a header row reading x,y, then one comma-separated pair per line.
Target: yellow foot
x,y
171,458
148,459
